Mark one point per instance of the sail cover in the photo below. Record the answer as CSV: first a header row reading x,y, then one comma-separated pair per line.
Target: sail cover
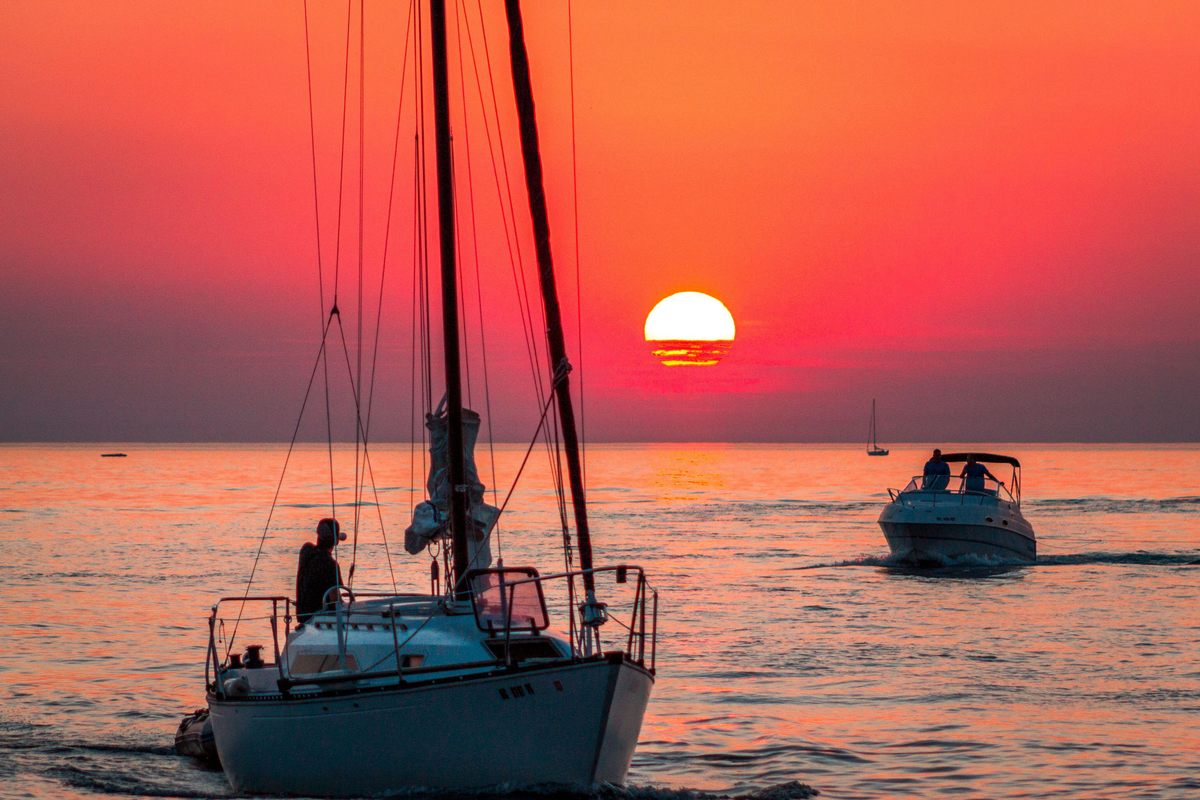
x,y
431,518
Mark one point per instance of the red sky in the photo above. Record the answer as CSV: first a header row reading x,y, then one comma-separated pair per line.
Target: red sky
x,y
985,215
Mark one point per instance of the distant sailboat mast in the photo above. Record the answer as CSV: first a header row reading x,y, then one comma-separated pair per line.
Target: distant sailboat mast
x,y
873,448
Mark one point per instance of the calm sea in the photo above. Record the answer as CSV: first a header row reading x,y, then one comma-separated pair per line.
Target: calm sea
x,y
791,649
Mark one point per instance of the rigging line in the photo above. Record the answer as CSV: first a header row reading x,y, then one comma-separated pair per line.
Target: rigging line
x,y
560,495
396,651
279,486
422,188
458,266
412,377
387,229
523,292
546,410
487,395
359,471
382,528
517,264
512,237
329,425
366,467
337,261
578,272
462,293
312,137
337,254
524,461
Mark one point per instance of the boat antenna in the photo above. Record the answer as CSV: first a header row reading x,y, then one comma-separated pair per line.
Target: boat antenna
x,y
449,264
560,367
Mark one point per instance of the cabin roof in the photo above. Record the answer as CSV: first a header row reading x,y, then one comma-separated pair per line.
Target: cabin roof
x,y
986,458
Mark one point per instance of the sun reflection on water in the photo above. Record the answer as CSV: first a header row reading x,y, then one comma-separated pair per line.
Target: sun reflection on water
x,y
687,353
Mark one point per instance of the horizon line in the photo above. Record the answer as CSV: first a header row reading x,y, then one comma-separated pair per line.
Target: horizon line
x,y
350,442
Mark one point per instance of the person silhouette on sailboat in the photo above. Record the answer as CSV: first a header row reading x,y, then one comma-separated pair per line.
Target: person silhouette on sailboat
x,y
317,571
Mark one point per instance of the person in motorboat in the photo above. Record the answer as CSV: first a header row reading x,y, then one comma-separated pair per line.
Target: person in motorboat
x,y
973,475
937,473
317,571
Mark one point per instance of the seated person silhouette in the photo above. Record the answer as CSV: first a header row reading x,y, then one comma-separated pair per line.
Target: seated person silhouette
x,y
973,474
317,571
937,473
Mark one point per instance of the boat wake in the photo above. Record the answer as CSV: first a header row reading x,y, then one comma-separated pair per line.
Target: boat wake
x,y
1139,557
1116,505
35,757
968,563
792,790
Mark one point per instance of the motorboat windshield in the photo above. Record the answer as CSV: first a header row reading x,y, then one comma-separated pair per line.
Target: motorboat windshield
x,y
984,484
932,485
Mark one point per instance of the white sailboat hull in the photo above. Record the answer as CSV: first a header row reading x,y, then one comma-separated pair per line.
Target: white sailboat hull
x,y
571,723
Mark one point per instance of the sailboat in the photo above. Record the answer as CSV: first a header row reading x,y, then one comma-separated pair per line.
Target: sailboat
x,y
873,448
477,684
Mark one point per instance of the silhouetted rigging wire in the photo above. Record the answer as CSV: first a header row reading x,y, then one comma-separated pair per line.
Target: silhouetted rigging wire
x,y
517,264
460,23
578,268
363,380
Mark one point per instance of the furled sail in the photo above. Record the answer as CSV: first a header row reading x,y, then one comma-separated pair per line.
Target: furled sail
x,y
431,518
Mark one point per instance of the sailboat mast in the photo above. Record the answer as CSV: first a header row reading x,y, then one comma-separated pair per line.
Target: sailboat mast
x,y
445,188
872,431
559,365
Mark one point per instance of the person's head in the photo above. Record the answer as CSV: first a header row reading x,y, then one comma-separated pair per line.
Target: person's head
x,y
970,459
329,532
937,454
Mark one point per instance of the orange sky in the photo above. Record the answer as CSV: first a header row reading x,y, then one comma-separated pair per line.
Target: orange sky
x,y
985,215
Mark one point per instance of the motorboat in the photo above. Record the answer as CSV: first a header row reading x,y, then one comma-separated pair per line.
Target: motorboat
x,y
940,518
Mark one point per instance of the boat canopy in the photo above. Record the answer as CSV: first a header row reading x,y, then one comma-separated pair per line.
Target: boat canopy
x,y
986,458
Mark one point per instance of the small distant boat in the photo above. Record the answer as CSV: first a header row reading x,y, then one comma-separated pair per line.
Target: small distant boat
x,y
873,448
113,455
936,518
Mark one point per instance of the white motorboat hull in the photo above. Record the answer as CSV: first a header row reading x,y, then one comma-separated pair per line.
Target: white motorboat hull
x,y
942,527
570,723
942,542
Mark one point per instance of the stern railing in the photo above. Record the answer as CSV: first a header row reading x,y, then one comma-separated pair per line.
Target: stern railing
x,y
635,616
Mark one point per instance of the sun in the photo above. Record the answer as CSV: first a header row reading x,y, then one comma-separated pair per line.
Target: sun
x,y
690,329
689,317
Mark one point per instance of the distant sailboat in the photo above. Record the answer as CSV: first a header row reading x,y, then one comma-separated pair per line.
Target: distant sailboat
x,y
873,448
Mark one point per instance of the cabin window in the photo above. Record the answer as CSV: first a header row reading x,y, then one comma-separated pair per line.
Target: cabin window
x,y
313,663
524,649
412,661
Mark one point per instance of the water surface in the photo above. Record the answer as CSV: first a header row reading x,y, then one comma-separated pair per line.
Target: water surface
x,y
791,649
